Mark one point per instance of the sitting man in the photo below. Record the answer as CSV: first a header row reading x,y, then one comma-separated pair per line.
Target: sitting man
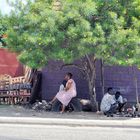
x,y
120,101
108,104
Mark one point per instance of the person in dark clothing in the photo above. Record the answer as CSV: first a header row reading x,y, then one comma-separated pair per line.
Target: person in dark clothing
x,y
63,85
64,82
120,101
36,88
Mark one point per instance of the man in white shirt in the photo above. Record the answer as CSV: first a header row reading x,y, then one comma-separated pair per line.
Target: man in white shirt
x,y
108,104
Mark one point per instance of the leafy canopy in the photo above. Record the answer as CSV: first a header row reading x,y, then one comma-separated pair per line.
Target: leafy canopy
x,y
68,30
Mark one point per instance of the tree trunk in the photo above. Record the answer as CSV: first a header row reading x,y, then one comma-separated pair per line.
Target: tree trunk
x,y
93,96
88,68
102,77
136,87
91,81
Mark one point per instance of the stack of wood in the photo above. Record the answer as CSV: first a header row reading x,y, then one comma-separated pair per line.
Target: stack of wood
x,y
14,90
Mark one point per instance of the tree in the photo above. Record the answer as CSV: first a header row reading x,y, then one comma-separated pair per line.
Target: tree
x,y
128,40
3,29
69,30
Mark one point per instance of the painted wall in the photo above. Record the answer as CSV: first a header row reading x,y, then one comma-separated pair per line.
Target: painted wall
x,y
120,78
9,63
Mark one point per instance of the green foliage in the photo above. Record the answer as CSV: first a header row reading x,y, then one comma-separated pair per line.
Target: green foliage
x,y
43,30
3,29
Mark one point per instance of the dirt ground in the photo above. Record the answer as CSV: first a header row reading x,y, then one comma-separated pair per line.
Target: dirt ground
x,y
19,111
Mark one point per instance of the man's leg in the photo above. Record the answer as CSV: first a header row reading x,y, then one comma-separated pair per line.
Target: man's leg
x,y
121,106
112,109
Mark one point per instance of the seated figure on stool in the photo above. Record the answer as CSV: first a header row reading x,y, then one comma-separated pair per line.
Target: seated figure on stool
x,y
66,93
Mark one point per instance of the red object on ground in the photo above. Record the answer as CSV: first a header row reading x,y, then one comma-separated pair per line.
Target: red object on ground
x,y
9,63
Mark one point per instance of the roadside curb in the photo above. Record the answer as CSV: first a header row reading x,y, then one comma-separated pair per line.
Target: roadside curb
x,y
131,123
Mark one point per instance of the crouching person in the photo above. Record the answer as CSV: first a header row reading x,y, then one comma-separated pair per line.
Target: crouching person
x,y
108,104
120,101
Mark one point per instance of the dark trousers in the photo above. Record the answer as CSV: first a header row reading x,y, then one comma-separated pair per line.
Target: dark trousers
x,y
121,106
112,109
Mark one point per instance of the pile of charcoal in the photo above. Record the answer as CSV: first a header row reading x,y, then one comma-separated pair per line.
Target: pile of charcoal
x,y
132,112
41,106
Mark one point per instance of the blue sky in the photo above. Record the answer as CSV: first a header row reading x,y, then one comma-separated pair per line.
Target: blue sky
x,y
4,7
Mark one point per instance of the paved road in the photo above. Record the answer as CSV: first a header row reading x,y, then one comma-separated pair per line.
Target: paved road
x,y
38,132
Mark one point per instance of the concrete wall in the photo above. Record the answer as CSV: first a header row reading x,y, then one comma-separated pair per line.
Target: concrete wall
x,y
120,78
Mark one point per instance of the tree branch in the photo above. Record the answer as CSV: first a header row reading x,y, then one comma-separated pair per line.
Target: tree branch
x,y
72,65
89,62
